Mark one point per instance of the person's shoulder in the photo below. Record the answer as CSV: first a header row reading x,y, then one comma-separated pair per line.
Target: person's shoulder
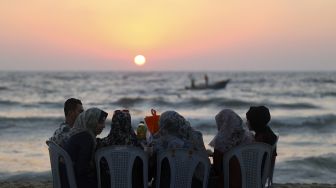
x,y
63,127
269,136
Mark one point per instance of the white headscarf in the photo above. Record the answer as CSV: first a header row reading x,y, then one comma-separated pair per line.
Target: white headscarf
x,y
230,131
175,132
86,121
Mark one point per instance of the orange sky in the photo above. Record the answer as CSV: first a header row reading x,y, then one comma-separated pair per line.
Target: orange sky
x,y
173,35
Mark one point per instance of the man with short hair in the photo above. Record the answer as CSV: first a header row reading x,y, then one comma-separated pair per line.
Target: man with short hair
x,y
72,108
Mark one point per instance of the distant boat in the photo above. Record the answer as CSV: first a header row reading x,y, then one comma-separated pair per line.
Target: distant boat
x,y
217,85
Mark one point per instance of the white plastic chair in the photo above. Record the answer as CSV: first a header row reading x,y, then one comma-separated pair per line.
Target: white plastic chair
x,y
183,163
59,155
250,158
269,178
120,160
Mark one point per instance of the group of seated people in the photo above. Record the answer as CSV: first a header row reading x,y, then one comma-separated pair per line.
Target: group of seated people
x,y
78,136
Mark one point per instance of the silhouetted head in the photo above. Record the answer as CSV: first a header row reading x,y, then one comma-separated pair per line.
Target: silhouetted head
x,y
258,118
72,108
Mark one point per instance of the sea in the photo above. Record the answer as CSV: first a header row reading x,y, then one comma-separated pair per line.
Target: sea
x,y
302,106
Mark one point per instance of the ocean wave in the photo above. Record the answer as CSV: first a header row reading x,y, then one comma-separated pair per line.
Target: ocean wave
x,y
313,122
294,105
319,80
193,102
3,88
9,103
25,176
44,104
6,126
21,122
326,162
129,102
328,94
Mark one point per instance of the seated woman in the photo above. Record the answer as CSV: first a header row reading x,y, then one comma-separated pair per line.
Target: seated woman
x,y
82,145
121,133
231,133
257,120
176,132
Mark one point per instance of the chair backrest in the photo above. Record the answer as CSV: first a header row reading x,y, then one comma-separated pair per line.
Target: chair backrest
x,y
183,163
269,178
120,160
250,158
59,155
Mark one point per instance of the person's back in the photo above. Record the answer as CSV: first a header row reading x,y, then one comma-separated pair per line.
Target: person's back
x,y
257,119
80,148
231,133
176,132
121,133
72,108
81,145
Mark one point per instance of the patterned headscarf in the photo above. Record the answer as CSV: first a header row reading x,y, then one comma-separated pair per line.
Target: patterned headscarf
x,y
230,131
175,131
87,121
121,132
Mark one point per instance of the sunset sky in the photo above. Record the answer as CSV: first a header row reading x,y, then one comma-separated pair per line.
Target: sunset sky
x,y
221,35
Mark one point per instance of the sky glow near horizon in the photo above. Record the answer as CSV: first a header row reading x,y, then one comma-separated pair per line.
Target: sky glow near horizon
x,y
172,35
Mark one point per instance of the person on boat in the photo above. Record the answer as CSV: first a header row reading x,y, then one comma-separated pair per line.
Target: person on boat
x,y
192,81
72,108
206,79
231,133
82,143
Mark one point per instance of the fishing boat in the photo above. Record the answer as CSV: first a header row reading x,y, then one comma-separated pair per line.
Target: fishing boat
x,y
217,85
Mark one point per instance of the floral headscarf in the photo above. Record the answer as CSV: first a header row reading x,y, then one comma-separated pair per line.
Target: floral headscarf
x,y
121,132
87,121
175,132
230,131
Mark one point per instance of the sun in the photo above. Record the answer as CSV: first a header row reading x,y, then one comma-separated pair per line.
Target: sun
x,y
139,60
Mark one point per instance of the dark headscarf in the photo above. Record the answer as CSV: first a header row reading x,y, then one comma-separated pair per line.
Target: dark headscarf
x,y
258,117
121,132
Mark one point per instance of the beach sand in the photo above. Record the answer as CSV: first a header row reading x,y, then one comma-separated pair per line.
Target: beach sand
x,y
48,184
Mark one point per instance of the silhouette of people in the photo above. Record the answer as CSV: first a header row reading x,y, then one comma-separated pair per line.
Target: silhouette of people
x,y
175,132
121,133
82,145
257,120
72,108
231,133
206,79
192,81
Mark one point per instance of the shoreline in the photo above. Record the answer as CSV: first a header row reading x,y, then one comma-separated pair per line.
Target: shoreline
x,y
48,184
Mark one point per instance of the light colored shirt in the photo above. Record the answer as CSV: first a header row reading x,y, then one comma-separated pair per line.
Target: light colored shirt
x,y
61,135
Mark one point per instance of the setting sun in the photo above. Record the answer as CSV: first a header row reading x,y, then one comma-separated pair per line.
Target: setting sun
x,y
139,60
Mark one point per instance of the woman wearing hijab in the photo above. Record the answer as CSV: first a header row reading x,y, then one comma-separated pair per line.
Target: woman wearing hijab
x,y
82,143
121,133
175,132
231,133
